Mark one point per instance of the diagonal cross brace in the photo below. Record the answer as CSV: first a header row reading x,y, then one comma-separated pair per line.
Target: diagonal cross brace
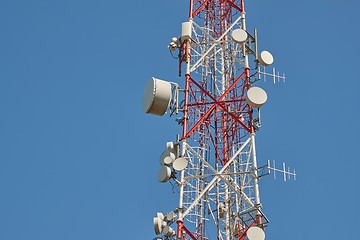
x,y
195,65
216,103
213,181
234,6
229,181
200,8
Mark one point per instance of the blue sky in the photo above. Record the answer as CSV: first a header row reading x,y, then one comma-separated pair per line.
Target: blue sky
x,y
78,158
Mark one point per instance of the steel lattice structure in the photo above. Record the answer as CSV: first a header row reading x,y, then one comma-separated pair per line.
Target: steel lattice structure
x,y
219,189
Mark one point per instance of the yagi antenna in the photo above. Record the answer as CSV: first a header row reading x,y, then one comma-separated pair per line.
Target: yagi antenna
x,y
275,75
287,174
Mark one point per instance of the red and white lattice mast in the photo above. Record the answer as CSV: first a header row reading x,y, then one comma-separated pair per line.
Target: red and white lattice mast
x,y
213,162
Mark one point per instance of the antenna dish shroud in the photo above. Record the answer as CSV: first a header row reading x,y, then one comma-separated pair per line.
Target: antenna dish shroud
x,y
167,158
265,58
168,231
157,96
171,216
256,97
255,233
157,225
239,35
180,164
164,174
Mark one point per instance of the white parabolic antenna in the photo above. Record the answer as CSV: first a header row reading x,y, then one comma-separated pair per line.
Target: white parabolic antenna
x,y
164,174
266,58
167,158
180,164
160,216
255,233
168,231
170,216
157,96
256,97
239,35
157,225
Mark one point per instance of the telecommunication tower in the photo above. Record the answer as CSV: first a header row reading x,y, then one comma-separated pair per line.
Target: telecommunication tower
x,y
213,161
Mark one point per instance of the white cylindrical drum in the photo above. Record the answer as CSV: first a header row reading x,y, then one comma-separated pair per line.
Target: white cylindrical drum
x,y
157,96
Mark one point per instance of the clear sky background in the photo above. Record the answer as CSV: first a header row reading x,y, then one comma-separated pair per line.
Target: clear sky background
x,y
79,159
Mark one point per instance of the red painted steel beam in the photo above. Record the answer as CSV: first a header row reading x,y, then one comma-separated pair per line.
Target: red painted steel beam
x,y
186,103
208,103
244,234
198,10
189,233
217,102
195,12
233,5
181,229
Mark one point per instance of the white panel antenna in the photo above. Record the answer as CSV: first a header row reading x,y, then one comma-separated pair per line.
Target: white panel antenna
x,y
186,30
